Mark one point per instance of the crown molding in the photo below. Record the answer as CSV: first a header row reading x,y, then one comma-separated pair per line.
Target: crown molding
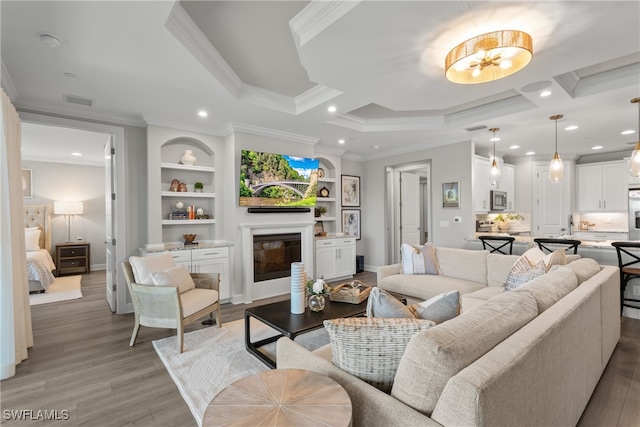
x,y
503,107
65,160
316,17
232,127
608,80
79,112
349,121
321,149
267,99
414,148
7,83
315,96
181,126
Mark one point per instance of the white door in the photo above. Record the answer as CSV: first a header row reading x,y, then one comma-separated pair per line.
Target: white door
x,y
552,204
410,208
110,208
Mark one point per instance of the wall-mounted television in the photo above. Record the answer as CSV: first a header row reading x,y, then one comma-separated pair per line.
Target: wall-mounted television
x,y
272,180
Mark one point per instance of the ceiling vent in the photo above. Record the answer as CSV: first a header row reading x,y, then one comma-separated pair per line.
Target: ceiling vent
x,y
72,99
475,128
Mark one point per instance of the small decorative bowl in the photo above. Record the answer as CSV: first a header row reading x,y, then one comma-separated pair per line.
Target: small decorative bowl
x,y
189,238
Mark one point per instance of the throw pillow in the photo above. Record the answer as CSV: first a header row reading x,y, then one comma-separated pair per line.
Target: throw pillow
x,y
523,272
370,348
381,304
32,238
419,260
143,266
439,308
177,276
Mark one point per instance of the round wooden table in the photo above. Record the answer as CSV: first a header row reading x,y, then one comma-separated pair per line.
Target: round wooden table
x,y
280,397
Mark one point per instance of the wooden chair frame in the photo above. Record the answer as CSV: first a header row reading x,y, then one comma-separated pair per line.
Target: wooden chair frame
x,y
161,307
492,243
566,243
629,269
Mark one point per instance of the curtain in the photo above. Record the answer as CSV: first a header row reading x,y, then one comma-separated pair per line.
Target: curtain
x,y
15,313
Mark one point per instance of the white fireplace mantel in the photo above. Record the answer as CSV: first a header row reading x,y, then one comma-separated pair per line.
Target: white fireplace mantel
x,y
278,286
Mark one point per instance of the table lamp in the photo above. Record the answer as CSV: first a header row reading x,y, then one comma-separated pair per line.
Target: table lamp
x,y
68,209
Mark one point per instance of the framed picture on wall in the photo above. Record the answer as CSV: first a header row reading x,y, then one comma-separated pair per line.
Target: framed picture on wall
x,y
351,223
451,194
27,184
350,190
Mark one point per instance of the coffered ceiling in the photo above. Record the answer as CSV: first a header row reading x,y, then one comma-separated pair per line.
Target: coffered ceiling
x,y
274,67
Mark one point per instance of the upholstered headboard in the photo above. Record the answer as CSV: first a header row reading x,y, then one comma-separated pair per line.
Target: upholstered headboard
x,y
39,216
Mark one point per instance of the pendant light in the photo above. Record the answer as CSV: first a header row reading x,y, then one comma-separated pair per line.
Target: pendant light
x,y
495,171
634,165
556,168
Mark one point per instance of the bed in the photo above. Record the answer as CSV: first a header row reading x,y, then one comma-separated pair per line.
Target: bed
x,y
39,262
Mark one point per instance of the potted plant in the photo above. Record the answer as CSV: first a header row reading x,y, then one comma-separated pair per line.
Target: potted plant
x,y
322,210
503,220
197,187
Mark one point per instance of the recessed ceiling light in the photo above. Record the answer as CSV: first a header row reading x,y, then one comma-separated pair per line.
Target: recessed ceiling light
x,y
628,132
530,153
597,147
545,93
376,147
332,109
341,141
494,139
202,113
572,127
70,75
76,154
513,147
49,40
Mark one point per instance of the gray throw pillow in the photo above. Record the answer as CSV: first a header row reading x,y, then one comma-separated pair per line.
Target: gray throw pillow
x,y
439,308
381,304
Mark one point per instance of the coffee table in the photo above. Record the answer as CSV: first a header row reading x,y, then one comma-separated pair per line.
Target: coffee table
x,y
280,397
279,317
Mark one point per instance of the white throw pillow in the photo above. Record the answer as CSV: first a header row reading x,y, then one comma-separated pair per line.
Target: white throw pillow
x,y
143,266
32,238
439,308
177,276
420,260
381,304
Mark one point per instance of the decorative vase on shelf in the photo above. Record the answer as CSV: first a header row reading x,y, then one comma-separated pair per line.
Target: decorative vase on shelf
x,y
188,158
503,225
316,302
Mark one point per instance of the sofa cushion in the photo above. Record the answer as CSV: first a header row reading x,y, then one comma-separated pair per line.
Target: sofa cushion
x,y
479,297
370,348
177,276
419,259
550,288
424,287
143,266
439,308
435,355
463,264
499,267
584,268
381,304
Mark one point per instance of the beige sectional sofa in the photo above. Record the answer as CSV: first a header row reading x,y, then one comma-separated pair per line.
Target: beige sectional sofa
x,y
527,357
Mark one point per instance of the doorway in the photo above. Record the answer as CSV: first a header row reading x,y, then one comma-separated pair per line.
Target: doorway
x,y
408,207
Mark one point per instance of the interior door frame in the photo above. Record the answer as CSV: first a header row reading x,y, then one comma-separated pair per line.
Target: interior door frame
x,y
117,133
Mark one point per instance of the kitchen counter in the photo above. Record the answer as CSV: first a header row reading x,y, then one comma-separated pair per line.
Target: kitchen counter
x,y
177,246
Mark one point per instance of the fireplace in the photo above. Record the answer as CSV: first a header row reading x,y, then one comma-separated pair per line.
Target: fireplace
x,y
273,255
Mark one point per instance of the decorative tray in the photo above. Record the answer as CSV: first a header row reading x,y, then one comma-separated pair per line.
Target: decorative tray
x,y
353,292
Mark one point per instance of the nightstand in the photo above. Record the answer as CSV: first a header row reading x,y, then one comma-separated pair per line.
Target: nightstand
x,y
73,258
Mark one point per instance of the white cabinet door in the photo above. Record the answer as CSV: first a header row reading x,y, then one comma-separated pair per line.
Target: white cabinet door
x,y
214,260
509,179
552,204
325,262
335,258
614,186
589,184
602,187
481,184
346,259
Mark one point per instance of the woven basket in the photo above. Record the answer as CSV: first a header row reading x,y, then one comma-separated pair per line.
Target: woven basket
x,y
353,292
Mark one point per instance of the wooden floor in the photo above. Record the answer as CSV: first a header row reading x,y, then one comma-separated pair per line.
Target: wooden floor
x,y
82,363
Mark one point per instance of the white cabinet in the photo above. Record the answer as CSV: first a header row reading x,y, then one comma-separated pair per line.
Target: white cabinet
x,y
600,236
602,187
335,258
509,185
481,185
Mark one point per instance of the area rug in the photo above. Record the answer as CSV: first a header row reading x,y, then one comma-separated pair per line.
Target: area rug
x,y
213,358
62,289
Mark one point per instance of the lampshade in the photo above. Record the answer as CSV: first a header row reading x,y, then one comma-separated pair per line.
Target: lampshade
x,y
556,168
68,208
489,57
634,165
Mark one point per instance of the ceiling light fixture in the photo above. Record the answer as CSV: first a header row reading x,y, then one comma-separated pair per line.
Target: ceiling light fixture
x,y
76,154
489,57
49,40
556,168
545,93
341,141
202,113
634,164
495,171
597,147
332,109
513,147
530,153
627,132
572,127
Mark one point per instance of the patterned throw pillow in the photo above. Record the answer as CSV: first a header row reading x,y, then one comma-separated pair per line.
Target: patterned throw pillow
x,y
370,348
523,272
419,260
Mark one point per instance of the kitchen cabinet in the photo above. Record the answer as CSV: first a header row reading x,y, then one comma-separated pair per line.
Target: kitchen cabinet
x,y
481,184
602,187
598,236
335,258
509,185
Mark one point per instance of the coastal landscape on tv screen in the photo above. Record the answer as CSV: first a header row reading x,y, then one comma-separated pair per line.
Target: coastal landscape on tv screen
x,y
277,180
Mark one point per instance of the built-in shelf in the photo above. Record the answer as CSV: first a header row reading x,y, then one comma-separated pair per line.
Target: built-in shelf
x,y
325,199
325,218
178,166
187,221
326,180
187,194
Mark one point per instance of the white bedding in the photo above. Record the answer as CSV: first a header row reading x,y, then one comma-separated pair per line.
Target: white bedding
x,y
39,267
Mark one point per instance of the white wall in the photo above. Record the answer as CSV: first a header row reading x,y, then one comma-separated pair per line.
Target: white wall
x,y
448,163
68,182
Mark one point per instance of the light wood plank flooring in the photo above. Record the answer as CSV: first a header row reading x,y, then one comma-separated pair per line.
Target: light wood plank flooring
x,y
82,362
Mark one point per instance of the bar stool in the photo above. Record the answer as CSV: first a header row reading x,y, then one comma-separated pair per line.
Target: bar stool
x,y
565,244
629,264
492,243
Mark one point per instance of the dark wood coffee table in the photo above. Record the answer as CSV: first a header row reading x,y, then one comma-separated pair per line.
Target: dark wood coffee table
x,y
279,317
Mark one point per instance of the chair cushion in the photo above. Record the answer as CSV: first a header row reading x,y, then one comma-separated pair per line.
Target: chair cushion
x,y
370,348
197,299
419,260
177,276
143,266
